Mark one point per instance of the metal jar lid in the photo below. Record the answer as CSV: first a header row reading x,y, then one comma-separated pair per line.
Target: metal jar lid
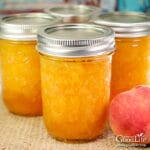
x,y
24,26
75,40
72,13
126,24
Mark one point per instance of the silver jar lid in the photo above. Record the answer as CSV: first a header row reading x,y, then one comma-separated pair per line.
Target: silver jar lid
x,y
126,24
75,40
72,12
24,26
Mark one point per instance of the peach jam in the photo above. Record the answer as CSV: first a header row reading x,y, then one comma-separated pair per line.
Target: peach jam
x,y
131,61
20,62
72,13
75,75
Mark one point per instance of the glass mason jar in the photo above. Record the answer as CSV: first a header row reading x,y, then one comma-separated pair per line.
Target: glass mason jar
x,y
20,62
131,61
73,13
75,76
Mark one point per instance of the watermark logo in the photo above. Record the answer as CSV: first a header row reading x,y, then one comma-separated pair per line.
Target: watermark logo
x,y
136,140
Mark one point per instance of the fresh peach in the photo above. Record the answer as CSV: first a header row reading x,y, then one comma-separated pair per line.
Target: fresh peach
x,y
130,115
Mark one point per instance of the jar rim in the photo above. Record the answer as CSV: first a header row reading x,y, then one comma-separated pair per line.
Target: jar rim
x,y
125,24
24,26
75,40
71,10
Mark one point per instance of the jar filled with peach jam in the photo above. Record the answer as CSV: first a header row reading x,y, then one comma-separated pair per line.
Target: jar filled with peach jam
x,y
72,13
75,75
131,61
20,62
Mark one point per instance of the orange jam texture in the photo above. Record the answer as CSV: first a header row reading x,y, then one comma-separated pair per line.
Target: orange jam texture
x,y
21,77
130,64
75,96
